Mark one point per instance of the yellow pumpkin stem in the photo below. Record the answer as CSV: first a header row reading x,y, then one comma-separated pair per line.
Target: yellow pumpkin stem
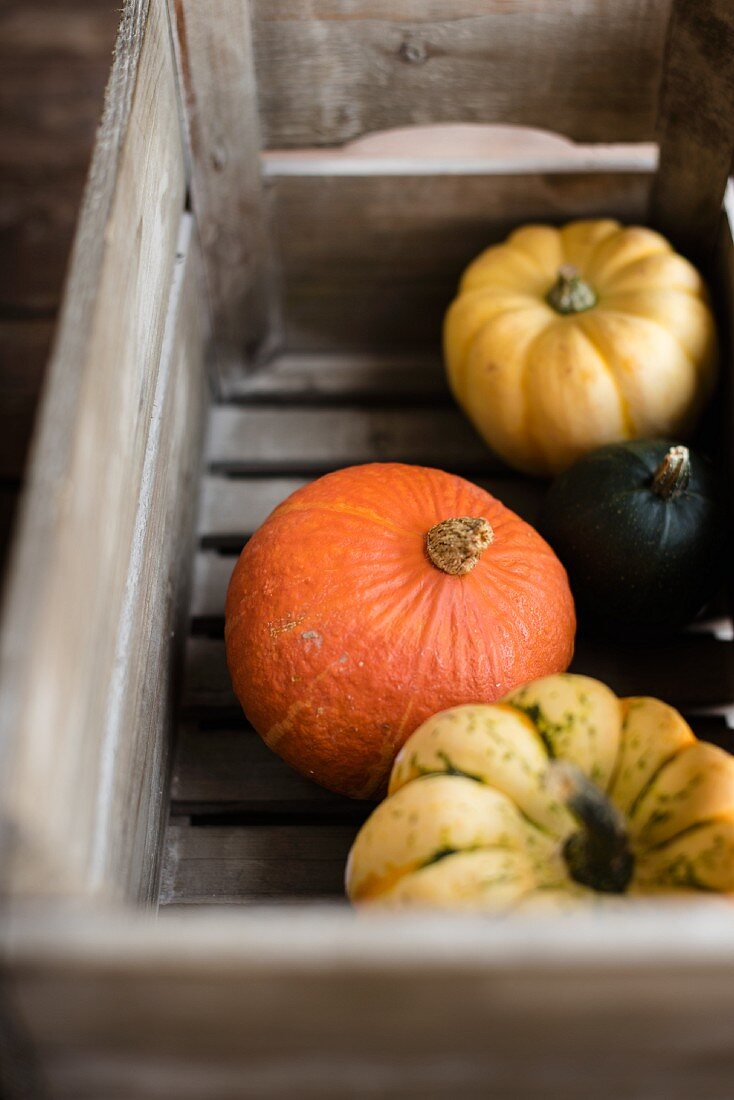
x,y
598,855
456,545
570,293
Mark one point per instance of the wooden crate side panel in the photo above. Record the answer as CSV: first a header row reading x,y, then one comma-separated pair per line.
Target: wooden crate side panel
x,y
217,81
154,617
317,1004
61,650
328,72
372,261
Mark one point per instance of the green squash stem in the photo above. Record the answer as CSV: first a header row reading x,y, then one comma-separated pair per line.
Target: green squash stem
x,y
570,293
673,473
598,855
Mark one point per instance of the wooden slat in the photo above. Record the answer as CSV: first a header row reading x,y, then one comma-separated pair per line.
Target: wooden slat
x,y
230,770
214,53
235,864
81,794
690,671
321,1005
320,378
305,440
154,620
372,261
328,71
696,125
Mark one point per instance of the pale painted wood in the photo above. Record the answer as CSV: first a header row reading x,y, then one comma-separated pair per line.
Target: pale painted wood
x,y
696,125
81,792
216,74
461,148
373,261
303,440
632,1001
329,71
688,671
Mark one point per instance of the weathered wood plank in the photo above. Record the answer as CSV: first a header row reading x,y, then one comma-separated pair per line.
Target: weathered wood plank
x,y
54,63
306,440
689,671
239,864
317,1003
334,377
81,545
231,771
372,261
328,72
214,52
154,619
696,125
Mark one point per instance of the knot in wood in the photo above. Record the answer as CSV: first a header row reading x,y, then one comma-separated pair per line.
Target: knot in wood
x,y
415,53
456,545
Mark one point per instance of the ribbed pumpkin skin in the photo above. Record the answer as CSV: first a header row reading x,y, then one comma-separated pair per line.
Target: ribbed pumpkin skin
x,y
472,822
543,388
342,636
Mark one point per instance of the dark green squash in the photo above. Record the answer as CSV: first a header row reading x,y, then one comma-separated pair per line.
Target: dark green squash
x,y
641,530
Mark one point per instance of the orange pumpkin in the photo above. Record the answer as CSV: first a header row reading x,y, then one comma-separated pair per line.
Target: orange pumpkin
x,y
376,596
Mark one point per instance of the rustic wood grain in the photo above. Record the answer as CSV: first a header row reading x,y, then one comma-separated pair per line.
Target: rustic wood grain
x,y
53,67
249,1004
214,53
696,125
340,377
232,771
224,865
328,72
66,667
314,440
373,261
142,703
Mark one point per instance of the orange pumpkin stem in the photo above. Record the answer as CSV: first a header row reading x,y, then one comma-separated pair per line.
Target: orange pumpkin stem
x,y
456,545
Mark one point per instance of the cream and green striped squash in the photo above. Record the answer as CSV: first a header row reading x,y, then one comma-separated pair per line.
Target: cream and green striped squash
x,y
562,791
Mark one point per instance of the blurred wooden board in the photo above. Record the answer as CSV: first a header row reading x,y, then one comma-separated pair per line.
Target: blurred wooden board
x,y
329,71
241,864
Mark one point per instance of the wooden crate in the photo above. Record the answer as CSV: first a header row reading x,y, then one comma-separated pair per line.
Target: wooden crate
x,y
251,303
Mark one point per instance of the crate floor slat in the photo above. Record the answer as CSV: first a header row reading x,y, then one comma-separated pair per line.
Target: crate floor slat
x,y
245,828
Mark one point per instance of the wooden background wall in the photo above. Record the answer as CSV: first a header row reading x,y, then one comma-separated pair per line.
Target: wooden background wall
x,y
54,61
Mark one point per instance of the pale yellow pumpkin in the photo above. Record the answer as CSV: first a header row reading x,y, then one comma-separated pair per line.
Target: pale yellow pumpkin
x,y
562,340
562,791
